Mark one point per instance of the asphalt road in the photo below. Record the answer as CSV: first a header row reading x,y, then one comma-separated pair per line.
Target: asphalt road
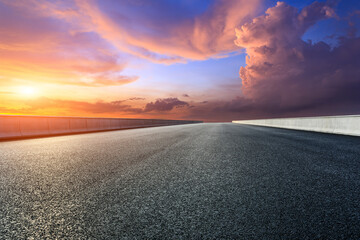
x,y
201,181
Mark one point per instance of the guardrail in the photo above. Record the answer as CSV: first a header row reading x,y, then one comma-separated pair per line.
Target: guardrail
x,y
35,126
346,125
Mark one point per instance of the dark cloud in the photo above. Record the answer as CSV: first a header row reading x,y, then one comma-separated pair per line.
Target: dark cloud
x,y
136,99
165,104
243,108
185,95
285,75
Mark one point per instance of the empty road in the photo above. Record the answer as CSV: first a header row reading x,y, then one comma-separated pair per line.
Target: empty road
x,y
200,181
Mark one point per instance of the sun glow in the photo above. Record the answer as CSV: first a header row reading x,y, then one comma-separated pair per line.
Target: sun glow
x,y
27,91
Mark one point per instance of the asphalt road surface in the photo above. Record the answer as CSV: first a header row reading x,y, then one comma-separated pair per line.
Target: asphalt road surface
x,y
200,181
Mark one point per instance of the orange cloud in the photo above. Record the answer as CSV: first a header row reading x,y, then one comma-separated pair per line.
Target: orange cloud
x,y
42,42
69,107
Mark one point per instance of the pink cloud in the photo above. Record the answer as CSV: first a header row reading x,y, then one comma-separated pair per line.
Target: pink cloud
x,y
43,40
208,35
77,42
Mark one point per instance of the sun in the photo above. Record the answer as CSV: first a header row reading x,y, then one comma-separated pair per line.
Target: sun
x,y
27,91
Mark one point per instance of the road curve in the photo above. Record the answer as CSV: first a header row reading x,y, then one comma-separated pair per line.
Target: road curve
x,y
201,181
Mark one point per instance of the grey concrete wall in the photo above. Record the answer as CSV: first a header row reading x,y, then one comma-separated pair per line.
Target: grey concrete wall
x,y
33,126
346,125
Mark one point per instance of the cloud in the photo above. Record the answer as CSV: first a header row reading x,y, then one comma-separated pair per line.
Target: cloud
x,y
46,106
87,43
284,74
136,99
165,104
44,41
198,37
107,81
79,106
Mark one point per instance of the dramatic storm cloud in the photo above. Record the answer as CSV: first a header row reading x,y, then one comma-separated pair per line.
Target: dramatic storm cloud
x,y
283,73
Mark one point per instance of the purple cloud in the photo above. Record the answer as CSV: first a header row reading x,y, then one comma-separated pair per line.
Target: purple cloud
x,y
286,74
165,104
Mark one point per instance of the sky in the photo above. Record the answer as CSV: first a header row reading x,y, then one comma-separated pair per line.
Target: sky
x,y
210,60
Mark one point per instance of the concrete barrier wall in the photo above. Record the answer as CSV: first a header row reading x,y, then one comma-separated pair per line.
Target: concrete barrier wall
x,y
346,125
9,127
114,124
34,126
78,125
58,125
93,124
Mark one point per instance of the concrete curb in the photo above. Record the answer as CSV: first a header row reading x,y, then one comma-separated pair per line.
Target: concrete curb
x,y
16,127
345,125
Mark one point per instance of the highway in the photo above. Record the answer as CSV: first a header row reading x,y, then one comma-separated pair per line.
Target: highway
x,y
197,181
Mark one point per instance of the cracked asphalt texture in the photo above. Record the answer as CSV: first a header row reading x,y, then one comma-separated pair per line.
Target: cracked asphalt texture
x,y
199,181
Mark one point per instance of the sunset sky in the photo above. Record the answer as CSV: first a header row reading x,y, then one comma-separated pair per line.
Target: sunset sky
x,y
211,60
